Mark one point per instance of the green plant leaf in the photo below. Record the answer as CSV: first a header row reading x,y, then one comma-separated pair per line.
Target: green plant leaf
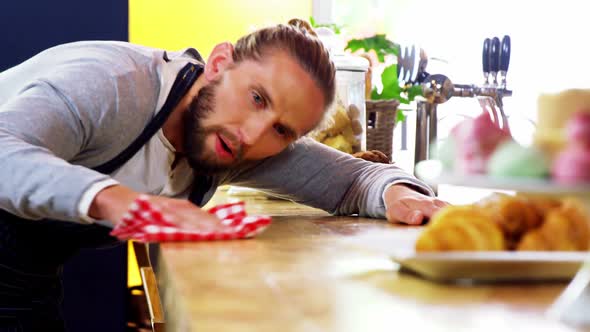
x,y
378,43
375,94
391,88
389,78
414,91
335,27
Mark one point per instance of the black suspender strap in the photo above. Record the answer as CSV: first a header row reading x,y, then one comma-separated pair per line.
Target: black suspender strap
x,y
185,79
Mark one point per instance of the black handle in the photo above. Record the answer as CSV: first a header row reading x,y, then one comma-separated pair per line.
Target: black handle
x,y
495,55
505,54
400,64
485,56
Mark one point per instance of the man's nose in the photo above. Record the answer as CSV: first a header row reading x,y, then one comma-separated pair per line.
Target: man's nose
x,y
254,128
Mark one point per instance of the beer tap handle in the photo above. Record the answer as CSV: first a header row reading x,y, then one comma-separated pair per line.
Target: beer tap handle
x,y
485,59
495,59
504,58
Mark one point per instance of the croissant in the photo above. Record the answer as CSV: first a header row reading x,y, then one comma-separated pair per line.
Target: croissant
x,y
566,228
533,241
505,222
543,204
464,228
514,214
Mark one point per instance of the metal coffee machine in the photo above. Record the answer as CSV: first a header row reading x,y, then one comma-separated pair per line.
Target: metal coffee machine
x,y
438,88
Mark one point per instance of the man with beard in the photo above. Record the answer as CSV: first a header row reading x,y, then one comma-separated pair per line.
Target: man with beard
x,y
86,127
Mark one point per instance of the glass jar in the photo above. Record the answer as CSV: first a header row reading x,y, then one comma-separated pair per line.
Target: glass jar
x,y
344,125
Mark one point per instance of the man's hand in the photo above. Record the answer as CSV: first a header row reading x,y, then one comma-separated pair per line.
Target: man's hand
x,y
402,204
113,202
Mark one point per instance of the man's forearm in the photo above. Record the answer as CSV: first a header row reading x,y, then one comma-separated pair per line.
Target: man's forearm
x,y
314,174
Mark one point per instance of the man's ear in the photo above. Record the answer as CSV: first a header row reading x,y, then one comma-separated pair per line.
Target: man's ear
x,y
219,60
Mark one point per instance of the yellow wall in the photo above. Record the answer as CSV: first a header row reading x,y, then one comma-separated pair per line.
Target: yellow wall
x,y
176,24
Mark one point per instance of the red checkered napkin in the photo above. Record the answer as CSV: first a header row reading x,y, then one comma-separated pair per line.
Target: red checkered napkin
x,y
143,222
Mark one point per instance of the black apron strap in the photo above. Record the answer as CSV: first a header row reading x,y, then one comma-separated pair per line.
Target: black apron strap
x,y
24,242
201,185
185,79
34,251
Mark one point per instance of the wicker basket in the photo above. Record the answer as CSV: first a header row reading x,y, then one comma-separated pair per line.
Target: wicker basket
x,y
380,124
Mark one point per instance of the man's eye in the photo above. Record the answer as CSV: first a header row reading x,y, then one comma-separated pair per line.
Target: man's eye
x,y
280,130
258,100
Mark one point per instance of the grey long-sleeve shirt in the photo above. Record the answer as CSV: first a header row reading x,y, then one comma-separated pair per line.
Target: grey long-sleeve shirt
x,y
77,105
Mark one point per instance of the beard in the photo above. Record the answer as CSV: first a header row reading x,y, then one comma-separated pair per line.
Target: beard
x,y
195,134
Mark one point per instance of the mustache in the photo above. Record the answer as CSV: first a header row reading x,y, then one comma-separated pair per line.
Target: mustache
x,y
235,143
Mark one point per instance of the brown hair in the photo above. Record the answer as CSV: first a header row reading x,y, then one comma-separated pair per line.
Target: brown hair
x,y
300,41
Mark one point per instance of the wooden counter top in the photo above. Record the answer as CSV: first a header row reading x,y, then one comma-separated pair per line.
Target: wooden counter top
x,y
300,276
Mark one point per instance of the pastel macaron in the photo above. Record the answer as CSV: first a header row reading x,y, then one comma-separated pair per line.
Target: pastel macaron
x,y
578,128
511,159
572,165
476,140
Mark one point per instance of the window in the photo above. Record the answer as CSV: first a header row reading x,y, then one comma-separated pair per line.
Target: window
x,y
550,51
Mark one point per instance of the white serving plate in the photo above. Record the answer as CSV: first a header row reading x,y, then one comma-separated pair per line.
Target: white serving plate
x,y
490,266
494,266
